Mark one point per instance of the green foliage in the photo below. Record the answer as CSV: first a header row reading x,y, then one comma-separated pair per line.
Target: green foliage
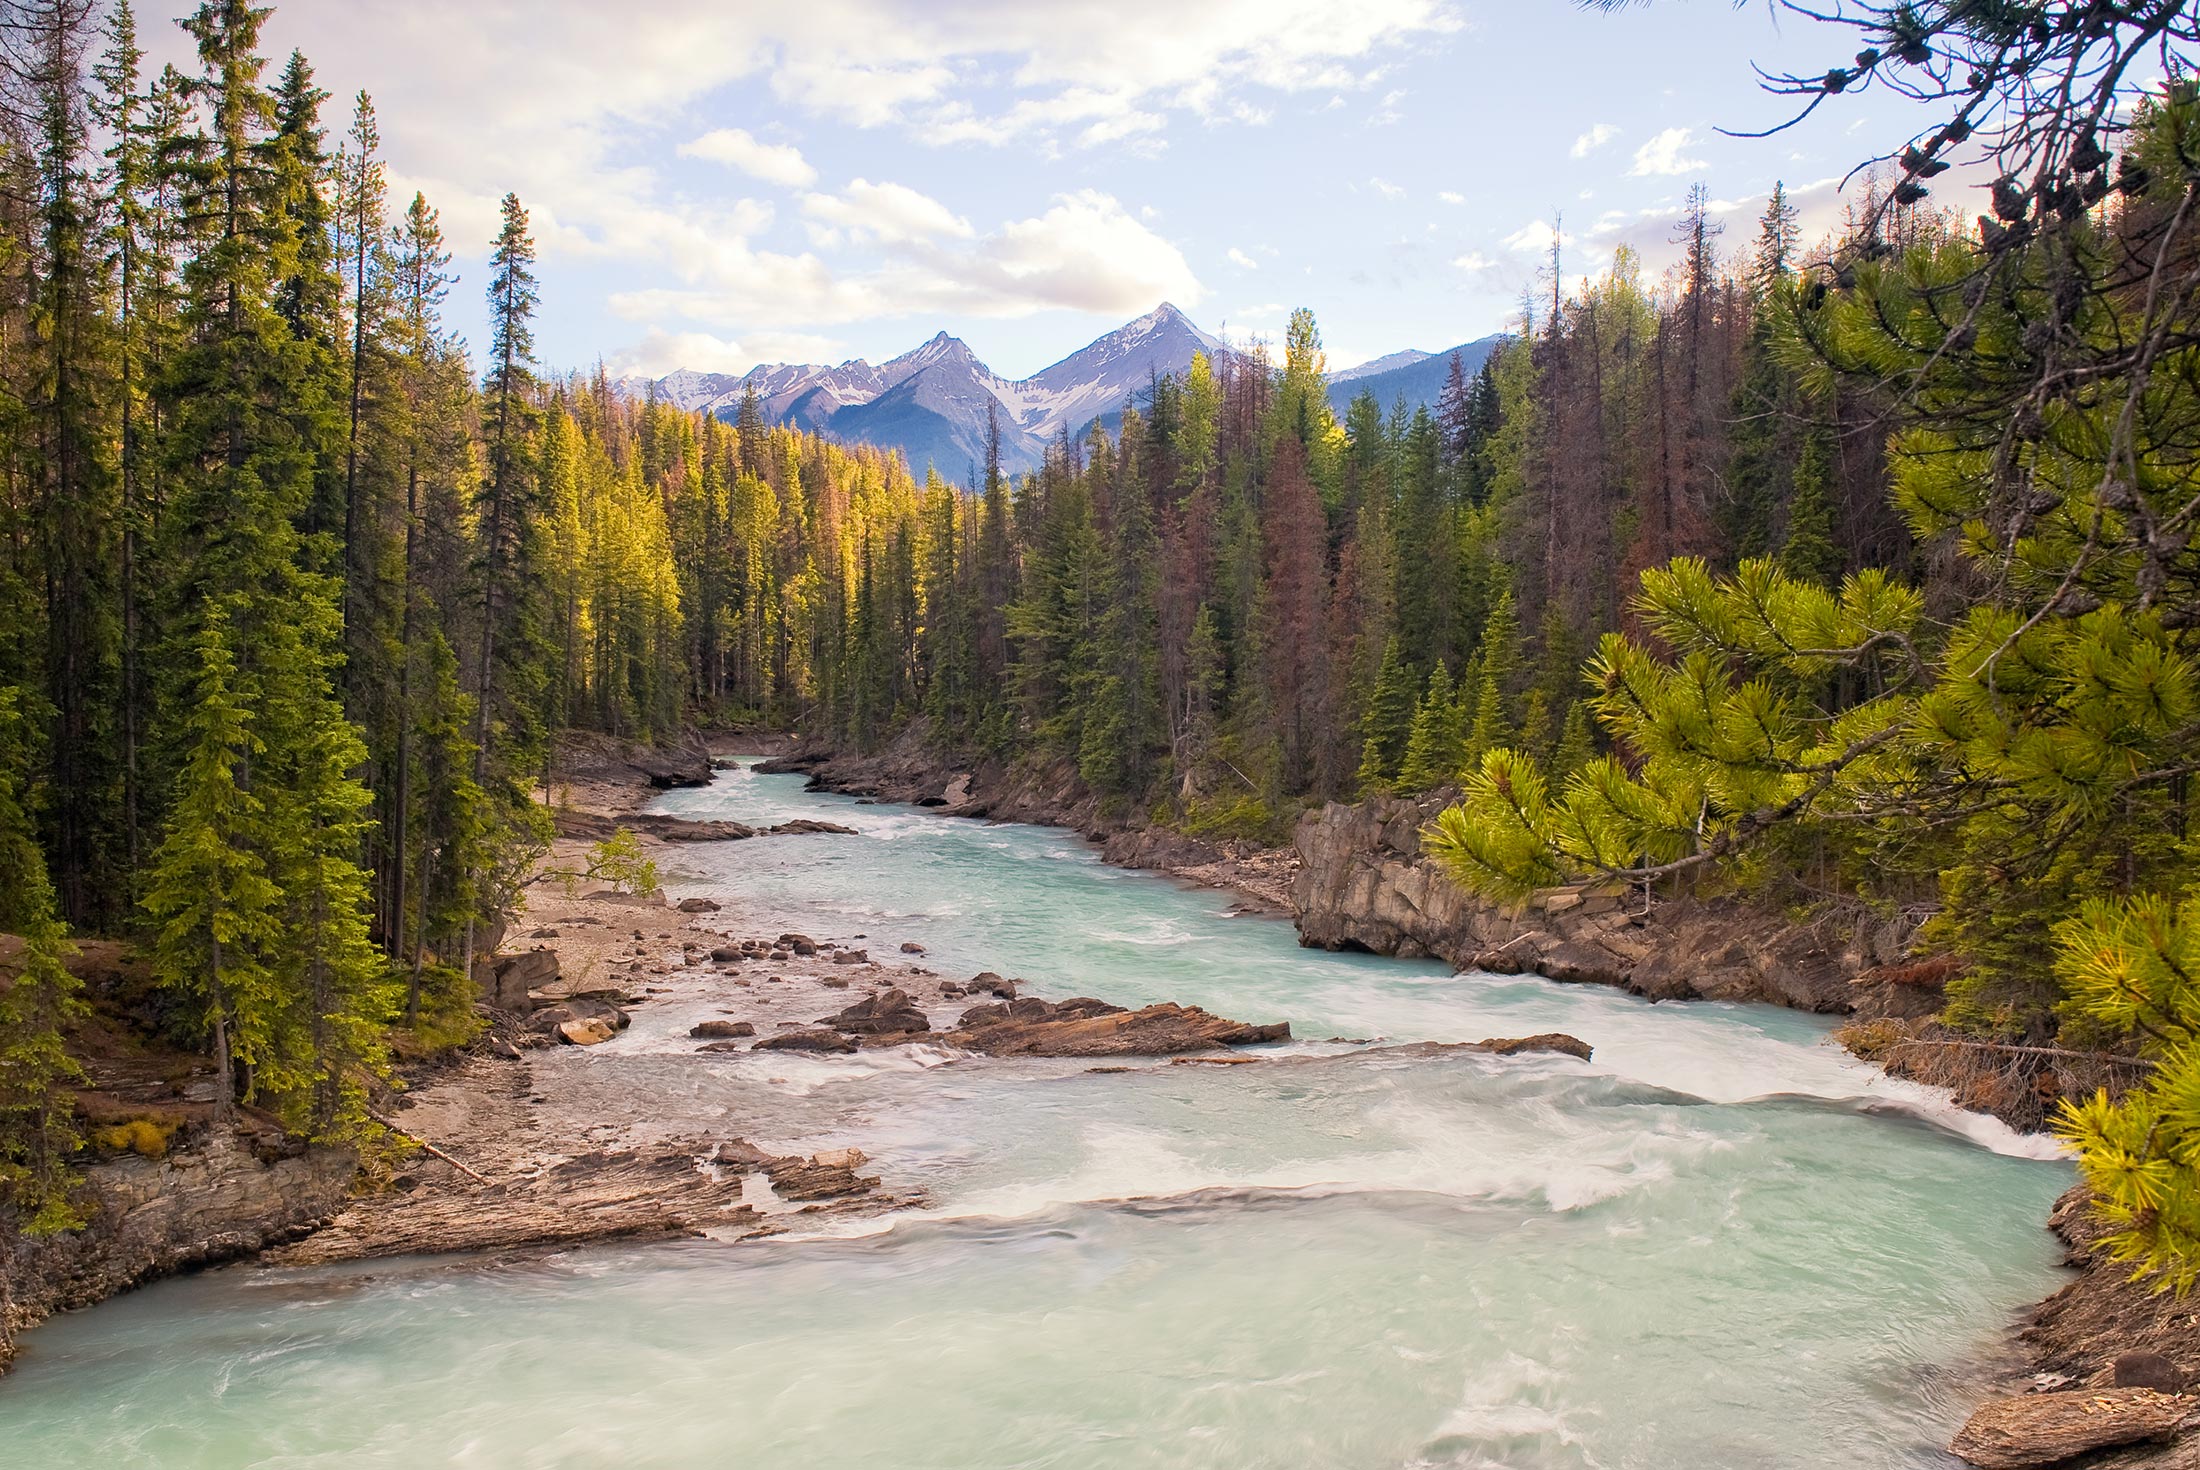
x,y
211,897
619,861
2134,965
2028,756
37,1003
1437,748
1387,726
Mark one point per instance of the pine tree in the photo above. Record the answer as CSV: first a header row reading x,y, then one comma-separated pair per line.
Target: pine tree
x,y
140,279
362,196
1437,748
70,407
211,896
1388,723
1776,241
503,506
1808,553
1576,742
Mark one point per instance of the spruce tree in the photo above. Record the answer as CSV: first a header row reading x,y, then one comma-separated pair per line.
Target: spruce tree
x,y
504,503
211,896
1807,552
1438,746
1388,722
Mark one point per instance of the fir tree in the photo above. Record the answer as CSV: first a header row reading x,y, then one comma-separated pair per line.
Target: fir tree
x,y
1438,745
211,896
1807,552
1388,723
504,504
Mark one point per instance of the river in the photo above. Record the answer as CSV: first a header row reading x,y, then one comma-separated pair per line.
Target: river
x,y
1721,1244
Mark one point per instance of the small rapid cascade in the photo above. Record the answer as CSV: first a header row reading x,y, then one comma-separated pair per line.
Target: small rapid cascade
x,y
1722,1243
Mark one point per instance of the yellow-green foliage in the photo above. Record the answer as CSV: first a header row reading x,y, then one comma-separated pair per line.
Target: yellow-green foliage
x,y
619,861
2030,749
148,1137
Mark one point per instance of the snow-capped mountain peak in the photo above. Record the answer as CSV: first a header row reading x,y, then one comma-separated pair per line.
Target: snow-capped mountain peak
x,y
932,401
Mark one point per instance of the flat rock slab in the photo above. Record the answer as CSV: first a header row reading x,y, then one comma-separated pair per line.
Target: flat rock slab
x,y
2042,1429
818,1040
1551,1041
656,1193
1091,1028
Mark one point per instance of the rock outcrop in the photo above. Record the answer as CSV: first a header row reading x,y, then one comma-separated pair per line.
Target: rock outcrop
x,y
1083,1027
506,979
225,1197
1363,883
1044,794
888,1013
593,827
809,1040
647,1194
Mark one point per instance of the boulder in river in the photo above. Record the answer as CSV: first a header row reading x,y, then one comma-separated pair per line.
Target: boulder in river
x,y
550,1020
811,1040
888,1013
588,1031
717,1029
1556,1041
668,766
2042,1429
804,1179
1084,1027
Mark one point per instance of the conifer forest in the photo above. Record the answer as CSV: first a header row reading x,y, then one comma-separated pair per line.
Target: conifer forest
x,y
1852,570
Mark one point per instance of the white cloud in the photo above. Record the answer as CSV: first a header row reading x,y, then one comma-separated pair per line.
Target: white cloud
x,y
1594,139
1241,260
659,352
1534,238
582,133
1084,253
775,163
888,212
1450,196
1665,154
1473,260
1387,189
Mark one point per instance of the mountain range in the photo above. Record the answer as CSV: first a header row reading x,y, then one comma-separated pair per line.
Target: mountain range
x,y
930,403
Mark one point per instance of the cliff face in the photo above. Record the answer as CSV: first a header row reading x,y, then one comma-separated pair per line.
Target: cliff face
x,y
1364,883
214,1202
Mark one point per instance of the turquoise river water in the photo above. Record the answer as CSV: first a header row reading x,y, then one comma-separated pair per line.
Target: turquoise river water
x,y
1721,1244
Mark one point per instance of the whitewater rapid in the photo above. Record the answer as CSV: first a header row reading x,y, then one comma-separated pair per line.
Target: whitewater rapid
x,y
1721,1243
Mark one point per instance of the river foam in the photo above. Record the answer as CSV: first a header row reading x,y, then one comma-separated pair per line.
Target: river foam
x,y
1721,1243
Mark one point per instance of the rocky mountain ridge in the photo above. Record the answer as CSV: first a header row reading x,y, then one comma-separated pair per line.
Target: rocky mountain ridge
x,y
931,402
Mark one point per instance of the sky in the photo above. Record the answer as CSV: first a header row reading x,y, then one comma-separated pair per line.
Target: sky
x,y
719,183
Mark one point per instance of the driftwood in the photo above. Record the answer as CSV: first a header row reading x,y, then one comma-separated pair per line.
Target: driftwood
x,y
2041,1429
423,1143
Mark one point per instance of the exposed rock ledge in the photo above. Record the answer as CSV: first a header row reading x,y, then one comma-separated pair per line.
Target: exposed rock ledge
x,y
216,1201
1363,883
